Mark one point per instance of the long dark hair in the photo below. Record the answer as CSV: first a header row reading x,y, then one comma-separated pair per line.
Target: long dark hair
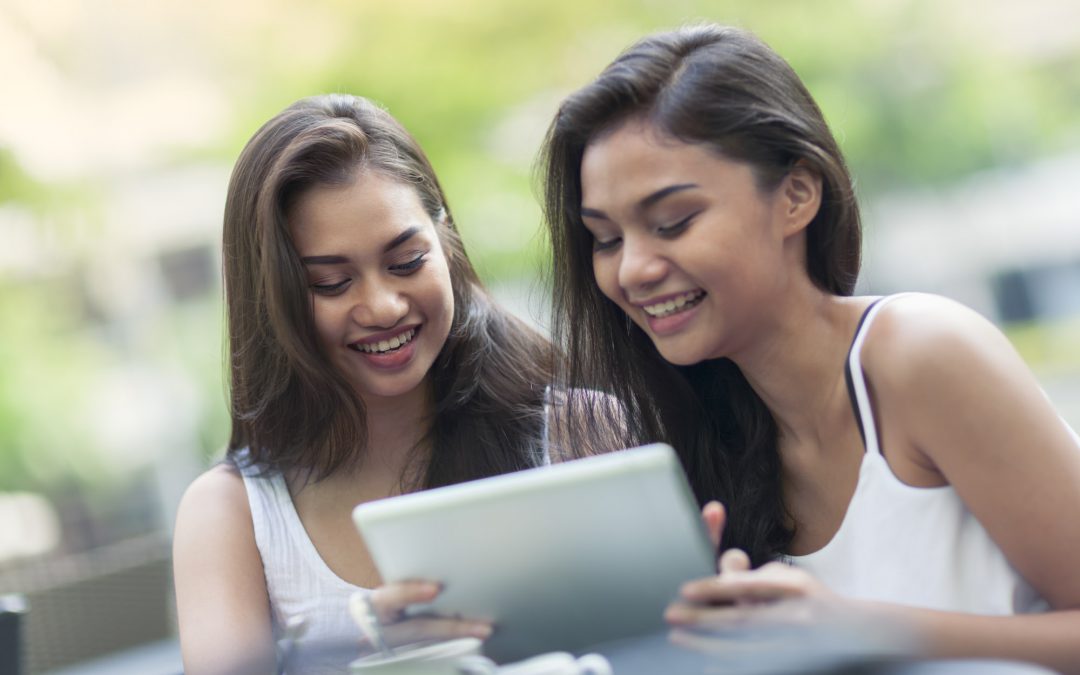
x,y
723,88
290,408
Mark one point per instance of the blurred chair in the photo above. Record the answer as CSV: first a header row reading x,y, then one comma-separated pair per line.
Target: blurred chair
x,y
92,604
12,610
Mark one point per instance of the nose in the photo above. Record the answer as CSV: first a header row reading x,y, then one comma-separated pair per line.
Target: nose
x,y
377,305
640,266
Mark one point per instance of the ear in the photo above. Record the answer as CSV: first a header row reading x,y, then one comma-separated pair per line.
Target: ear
x,y
800,197
442,218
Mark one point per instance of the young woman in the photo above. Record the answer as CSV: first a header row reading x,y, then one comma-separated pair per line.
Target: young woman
x,y
880,455
366,360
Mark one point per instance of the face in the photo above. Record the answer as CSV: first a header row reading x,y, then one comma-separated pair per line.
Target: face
x,y
380,286
685,242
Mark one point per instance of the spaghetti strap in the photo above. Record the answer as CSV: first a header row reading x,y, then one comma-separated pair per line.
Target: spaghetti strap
x,y
856,379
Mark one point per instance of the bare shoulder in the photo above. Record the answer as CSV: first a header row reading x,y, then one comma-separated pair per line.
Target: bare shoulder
x,y
213,514
219,494
919,341
955,385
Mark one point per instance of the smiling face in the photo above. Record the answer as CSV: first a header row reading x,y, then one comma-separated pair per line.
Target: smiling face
x,y
380,288
685,241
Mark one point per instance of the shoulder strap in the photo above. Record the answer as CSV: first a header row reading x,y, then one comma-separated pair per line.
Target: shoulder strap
x,y
856,379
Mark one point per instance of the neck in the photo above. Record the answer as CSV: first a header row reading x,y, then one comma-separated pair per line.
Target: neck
x,y
796,364
396,429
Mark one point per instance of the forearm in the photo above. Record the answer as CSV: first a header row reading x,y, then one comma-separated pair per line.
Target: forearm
x,y
1051,639
227,659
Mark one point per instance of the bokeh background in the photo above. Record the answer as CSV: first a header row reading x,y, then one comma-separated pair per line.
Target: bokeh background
x,y
120,120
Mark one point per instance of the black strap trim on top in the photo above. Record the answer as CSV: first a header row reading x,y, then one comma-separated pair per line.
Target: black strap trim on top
x,y
847,372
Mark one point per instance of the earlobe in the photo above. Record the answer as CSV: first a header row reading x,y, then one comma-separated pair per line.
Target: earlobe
x,y
802,197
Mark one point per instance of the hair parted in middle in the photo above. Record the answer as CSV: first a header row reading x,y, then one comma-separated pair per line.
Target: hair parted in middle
x,y
290,407
724,89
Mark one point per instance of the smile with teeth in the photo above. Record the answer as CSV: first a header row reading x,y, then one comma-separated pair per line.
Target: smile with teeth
x,y
384,346
677,304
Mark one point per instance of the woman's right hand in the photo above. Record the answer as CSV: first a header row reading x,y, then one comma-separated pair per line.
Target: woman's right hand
x,y
389,602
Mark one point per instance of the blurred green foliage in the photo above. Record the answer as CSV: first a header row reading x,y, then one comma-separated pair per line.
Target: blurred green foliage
x,y
918,92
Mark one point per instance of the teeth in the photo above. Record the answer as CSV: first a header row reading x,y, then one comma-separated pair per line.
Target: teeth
x,y
387,345
675,304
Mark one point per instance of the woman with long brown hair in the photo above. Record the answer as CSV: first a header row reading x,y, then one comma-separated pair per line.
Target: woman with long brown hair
x,y
875,455
366,360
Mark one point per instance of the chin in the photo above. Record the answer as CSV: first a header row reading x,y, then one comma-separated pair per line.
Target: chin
x,y
389,390
681,357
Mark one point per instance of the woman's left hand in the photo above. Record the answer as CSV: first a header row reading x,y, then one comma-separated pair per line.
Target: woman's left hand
x,y
772,593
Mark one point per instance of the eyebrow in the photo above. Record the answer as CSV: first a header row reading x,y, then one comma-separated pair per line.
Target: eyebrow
x,y
405,236
324,260
644,203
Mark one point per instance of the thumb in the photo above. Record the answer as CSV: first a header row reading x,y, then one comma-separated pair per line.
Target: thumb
x,y
715,517
734,560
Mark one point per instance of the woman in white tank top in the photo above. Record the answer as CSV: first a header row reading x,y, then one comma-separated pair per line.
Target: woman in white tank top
x,y
366,360
706,233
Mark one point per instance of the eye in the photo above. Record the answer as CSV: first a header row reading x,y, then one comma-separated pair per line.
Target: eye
x,y
678,228
407,268
330,289
605,245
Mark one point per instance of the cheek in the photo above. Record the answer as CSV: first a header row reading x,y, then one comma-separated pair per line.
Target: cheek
x,y
442,292
325,321
606,274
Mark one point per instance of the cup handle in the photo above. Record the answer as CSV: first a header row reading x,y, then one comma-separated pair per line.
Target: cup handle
x,y
476,665
594,664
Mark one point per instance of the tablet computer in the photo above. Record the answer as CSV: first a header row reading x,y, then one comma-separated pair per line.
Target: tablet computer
x,y
560,557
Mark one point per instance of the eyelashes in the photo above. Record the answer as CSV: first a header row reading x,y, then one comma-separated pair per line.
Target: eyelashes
x,y
599,246
407,268
330,289
676,229
666,231
399,269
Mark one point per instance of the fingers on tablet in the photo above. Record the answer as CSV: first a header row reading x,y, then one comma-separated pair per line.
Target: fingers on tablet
x,y
391,599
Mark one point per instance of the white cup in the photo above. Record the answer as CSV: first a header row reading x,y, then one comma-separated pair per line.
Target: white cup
x,y
558,663
440,658
462,657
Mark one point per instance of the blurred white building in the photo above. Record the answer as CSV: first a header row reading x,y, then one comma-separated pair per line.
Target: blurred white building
x,y
1006,243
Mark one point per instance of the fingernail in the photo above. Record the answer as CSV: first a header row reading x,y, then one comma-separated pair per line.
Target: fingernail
x,y
480,630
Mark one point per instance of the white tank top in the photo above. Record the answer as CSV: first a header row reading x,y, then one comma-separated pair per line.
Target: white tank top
x,y
909,545
298,581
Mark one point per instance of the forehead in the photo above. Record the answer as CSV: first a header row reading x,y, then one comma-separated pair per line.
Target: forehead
x,y
635,159
370,207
